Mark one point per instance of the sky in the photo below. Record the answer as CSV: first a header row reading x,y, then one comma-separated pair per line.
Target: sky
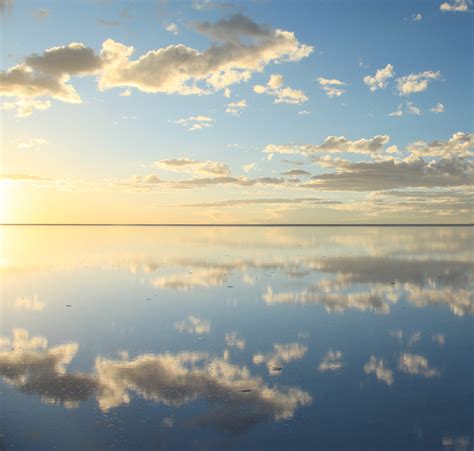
x,y
263,111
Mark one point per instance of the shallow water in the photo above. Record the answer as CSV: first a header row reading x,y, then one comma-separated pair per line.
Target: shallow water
x,y
238,338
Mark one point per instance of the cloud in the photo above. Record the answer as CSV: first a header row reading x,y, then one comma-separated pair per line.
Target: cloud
x,y
408,107
296,173
24,107
282,354
28,365
202,5
193,325
236,108
380,79
414,83
377,367
41,14
178,69
30,143
304,113
194,123
232,340
269,201
333,144
389,174
416,365
275,88
249,167
331,87
461,6
459,145
438,108
202,278
186,165
235,399
30,304
47,74
24,177
332,361
416,17
172,28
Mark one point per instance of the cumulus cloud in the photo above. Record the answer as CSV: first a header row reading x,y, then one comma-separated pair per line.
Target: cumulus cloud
x,y
172,28
274,88
438,108
416,17
377,367
380,79
408,107
194,123
389,174
416,365
461,6
282,354
32,304
332,87
186,165
236,108
414,83
24,107
333,144
232,340
48,74
249,167
332,361
176,69
179,69
193,325
459,145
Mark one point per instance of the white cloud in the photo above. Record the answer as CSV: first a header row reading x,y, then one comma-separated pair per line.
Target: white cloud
x,y
179,69
459,145
186,165
380,79
304,113
438,108
408,107
193,325
332,361
416,17
249,167
282,354
461,6
377,367
416,365
227,92
333,144
174,69
235,108
194,123
24,107
172,28
414,83
30,143
232,340
332,87
274,88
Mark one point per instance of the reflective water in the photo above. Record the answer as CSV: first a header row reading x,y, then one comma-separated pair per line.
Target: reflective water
x,y
236,338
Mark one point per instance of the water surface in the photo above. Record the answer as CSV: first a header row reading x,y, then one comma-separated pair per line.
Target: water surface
x,y
236,338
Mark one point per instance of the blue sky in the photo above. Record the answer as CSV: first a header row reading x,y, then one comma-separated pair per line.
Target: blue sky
x,y
89,150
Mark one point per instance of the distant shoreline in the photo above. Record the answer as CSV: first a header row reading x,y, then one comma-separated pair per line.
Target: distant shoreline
x,y
236,225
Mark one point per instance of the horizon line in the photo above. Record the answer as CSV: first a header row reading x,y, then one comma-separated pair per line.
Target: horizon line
x,y
238,225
